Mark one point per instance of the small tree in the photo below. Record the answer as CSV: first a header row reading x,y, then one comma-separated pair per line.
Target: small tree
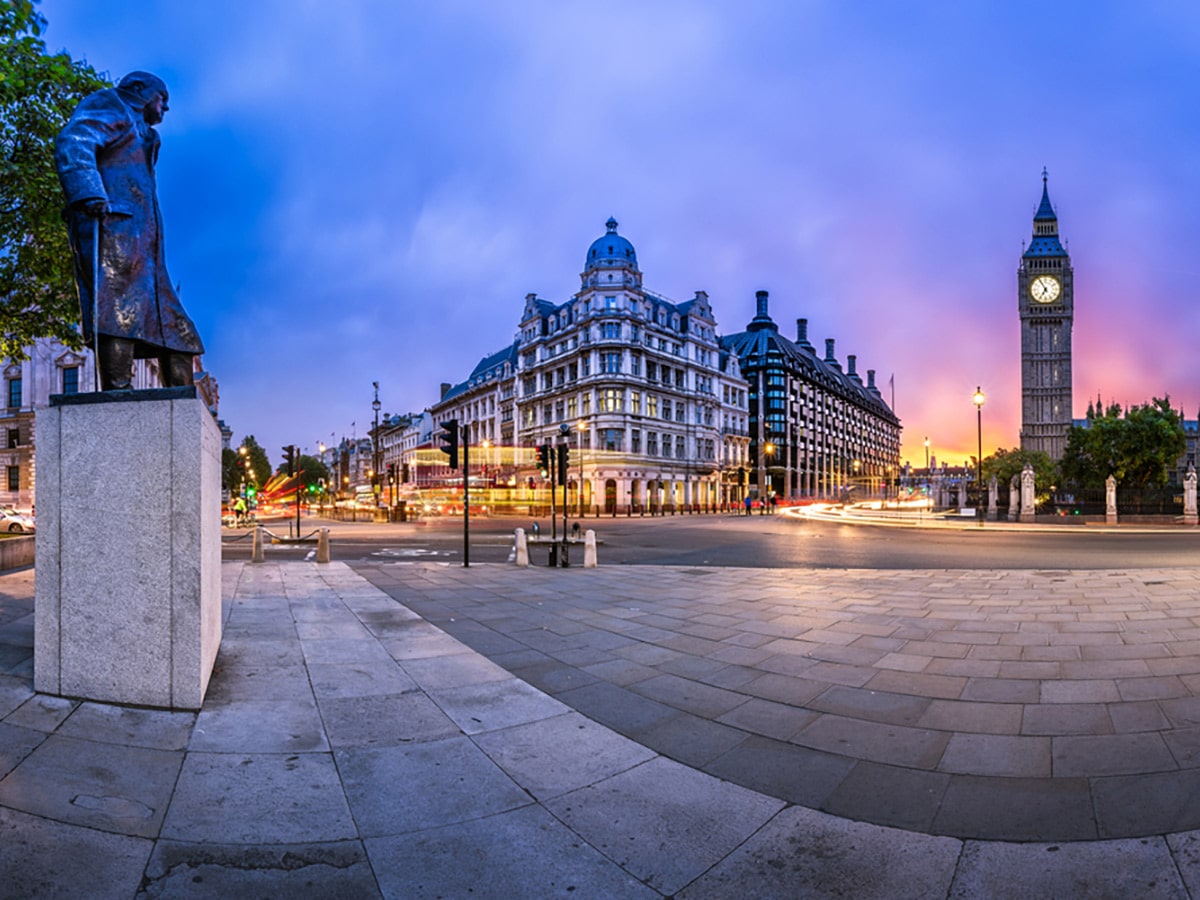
x,y
1004,464
38,93
1138,449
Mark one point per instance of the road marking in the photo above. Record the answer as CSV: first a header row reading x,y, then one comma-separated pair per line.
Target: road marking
x,y
409,551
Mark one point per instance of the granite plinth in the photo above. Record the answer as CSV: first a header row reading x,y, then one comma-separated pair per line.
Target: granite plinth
x,y
128,557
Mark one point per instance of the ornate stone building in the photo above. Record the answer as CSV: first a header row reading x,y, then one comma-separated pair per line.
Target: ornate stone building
x,y
52,368
653,409
1046,303
815,430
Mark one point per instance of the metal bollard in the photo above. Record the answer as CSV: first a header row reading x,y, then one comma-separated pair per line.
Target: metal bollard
x,y
256,552
522,545
323,545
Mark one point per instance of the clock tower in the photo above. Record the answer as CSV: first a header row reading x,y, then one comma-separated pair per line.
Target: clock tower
x,y
1046,302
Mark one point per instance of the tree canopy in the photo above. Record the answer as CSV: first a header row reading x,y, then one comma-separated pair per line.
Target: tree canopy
x,y
1004,464
1139,449
38,93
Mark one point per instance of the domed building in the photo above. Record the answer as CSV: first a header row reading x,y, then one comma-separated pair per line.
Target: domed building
x,y
652,409
658,411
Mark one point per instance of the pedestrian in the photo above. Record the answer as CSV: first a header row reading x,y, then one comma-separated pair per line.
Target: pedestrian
x,y
747,502
239,511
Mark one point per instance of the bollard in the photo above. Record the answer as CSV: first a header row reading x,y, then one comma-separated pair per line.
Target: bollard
x,y
256,553
589,549
522,548
323,545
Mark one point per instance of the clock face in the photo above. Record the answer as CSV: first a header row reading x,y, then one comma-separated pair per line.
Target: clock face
x,y
1045,289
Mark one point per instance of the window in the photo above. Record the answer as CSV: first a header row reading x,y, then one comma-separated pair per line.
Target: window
x,y
585,406
635,440
610,304
70,380
611,438
572,408
14,392
635,401
666,409
14,478
652,405
651,371
680,447
610,400
610,363
587,366
14,438
652,443
635,364
547,413
611,331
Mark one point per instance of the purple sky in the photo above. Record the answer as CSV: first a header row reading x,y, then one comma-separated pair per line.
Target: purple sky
x,y
368,194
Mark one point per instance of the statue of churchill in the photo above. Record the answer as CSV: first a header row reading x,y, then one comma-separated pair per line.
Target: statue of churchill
x,y
105,156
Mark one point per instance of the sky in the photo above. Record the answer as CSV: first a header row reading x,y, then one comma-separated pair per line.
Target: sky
x,y
366,191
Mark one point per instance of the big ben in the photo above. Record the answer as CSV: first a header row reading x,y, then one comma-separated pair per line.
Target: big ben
x,y
1046,301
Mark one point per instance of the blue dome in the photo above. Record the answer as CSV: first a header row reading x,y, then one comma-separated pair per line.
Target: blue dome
x,y
611,250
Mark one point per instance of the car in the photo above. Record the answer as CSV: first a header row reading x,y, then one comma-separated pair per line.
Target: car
x,y
15,522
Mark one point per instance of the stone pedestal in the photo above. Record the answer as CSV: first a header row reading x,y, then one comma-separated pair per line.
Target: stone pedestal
x,y
128,573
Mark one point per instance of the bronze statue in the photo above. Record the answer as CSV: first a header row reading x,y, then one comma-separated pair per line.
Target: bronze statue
x,y
105,157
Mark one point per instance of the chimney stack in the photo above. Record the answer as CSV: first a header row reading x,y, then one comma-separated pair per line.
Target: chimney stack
x,y
761,297
445,389
829,357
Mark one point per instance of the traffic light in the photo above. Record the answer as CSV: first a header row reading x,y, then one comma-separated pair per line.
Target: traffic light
x,y
564,456
391,473
450,441
289,459
545,460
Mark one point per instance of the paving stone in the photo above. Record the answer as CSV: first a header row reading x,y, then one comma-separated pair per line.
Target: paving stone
x,y
1016,809
620,709
889,795
110,787
1136,805
775,720
233,798
502,855
359,680
1065,718
552,756
40,857
793,773
1118,868
997,755
876,706
692,740
495,704
153,728
1115,754
260,726
978,718
664,823
15,744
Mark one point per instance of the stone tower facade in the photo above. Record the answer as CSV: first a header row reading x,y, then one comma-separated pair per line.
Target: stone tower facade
x,y
1046,303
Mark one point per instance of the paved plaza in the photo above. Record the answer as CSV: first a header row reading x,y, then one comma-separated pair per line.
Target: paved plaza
x,y
413,730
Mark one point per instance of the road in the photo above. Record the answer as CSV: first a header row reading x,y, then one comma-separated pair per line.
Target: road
x,y
754,541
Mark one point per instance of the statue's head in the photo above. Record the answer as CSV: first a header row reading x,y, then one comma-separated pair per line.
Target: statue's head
x,y
146,93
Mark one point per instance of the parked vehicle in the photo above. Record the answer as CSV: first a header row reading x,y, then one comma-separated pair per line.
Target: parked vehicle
x,y
15,522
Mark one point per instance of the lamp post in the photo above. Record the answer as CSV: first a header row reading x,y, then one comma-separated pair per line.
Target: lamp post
x,y
768,452
926,455
978,401
375,444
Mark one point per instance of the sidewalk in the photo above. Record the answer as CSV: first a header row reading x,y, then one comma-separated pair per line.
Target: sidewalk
x,y
349,748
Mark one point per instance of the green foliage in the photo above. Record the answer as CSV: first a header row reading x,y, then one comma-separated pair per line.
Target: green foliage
x,y
253,460
38,93
1004,464
312,470
1138,449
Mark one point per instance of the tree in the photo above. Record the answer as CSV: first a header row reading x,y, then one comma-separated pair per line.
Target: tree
x,y
312,470
1004,464
236,465
1138,449
38,93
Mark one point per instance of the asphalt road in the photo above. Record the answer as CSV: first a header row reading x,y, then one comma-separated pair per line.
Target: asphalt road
x,y
755,541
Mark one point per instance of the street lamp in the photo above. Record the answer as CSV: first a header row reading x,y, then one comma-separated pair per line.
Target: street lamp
x,y
375,442
978,401
768,452
927,454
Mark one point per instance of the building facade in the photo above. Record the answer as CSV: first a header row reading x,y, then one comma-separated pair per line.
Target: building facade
x,y
814,430
659,411
50,367
652,408
1046,304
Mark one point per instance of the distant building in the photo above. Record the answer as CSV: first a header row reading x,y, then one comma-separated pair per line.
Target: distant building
x,y
815,430
50,367
658,410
